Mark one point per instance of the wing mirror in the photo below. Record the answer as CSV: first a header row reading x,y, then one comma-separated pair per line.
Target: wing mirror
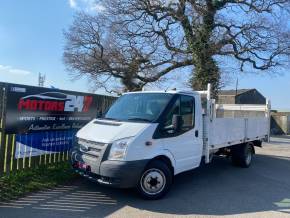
x,y
177,122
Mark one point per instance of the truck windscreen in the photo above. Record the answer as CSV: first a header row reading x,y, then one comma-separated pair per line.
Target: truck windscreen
x,y
139,107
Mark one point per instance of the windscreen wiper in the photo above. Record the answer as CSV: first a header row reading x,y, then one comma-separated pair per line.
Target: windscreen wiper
x,y
139,119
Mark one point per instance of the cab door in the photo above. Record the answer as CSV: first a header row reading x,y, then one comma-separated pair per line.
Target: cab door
x,y
186,144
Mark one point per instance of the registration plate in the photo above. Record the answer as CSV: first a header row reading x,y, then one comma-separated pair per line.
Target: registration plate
x,y
84,166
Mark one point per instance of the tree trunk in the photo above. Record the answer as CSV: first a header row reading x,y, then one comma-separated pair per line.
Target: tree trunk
x,y
129,84
206,69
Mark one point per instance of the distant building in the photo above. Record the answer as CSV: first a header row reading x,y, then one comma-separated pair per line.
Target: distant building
x,y
241,96
280,120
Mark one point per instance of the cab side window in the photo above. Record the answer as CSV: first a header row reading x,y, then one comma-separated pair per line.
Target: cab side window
x,y
185,107
187,112
174,110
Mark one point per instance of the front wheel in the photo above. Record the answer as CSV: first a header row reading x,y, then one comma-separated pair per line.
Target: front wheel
x,y
155,181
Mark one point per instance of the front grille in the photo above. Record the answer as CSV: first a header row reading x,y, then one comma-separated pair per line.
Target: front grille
x,y
90,143
95,149
89,157
91,148
91,153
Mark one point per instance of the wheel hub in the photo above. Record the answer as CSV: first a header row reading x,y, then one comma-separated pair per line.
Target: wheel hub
x,y
153,181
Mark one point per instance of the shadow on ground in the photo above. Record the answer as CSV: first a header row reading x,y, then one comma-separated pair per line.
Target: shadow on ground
x,y
216,189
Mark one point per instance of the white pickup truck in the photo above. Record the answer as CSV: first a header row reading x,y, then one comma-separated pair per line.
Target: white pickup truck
x,y
146,138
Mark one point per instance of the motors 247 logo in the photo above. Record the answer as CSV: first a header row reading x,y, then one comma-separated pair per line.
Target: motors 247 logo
x,y
55,102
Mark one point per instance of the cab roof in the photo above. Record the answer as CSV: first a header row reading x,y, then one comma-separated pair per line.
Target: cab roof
x,y
166,92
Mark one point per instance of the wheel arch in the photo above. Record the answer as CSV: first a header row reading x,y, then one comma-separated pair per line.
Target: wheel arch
x,y
164,159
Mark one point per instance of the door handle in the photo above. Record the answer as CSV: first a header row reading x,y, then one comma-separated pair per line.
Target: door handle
x,y
196,133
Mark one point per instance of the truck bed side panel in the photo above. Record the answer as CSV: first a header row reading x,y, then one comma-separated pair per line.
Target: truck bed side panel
x,y
225,132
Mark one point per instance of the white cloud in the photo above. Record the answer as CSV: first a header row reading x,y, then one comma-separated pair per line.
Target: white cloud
x,y
72,3
14,71
87,5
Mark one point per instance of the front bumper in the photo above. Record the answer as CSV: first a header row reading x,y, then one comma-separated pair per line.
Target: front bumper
x,y
120,174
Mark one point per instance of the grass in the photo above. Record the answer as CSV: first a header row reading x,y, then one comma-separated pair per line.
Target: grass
x,y
17,184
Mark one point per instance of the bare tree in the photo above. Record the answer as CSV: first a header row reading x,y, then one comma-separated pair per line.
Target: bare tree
x,y
199,33
102,49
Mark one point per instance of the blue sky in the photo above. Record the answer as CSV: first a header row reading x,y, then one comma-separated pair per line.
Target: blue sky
x,y
31,41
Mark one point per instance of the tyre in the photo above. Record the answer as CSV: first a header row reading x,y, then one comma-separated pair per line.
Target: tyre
x,y
242,155
155,181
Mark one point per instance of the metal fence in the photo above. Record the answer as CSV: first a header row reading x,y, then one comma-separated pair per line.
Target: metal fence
x,y
9,159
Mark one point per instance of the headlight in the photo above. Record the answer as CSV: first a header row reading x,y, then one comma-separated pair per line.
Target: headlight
x,y
119,149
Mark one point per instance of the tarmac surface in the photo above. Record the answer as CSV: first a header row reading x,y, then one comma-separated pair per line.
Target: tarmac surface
x,y
214,190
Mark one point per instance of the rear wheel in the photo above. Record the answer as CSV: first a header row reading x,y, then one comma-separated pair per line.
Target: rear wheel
x,y
242,155
155,181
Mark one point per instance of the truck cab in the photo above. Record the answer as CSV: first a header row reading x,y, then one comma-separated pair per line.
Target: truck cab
x,y
139,128
146,138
